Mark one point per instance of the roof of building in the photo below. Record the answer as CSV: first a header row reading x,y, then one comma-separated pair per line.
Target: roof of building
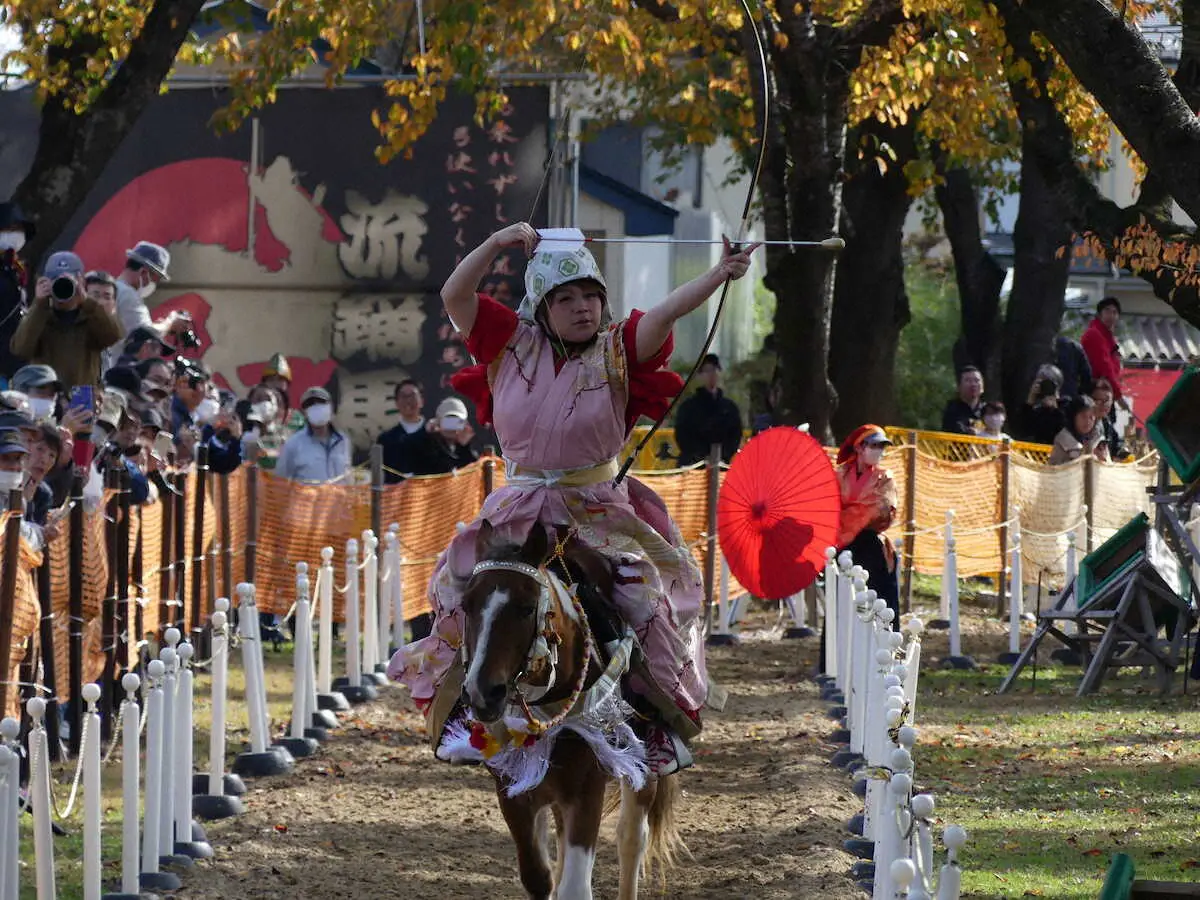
x,y
1157,340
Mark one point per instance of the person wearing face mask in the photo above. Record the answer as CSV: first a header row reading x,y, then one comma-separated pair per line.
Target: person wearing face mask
x,y
868,511
318,452
15,229
145,268
994,417
41,386
65,328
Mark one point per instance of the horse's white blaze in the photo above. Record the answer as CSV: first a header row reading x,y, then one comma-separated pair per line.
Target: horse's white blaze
x,y
576,881
491,608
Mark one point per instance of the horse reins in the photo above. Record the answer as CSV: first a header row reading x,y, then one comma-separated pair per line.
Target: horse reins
x,y
542,647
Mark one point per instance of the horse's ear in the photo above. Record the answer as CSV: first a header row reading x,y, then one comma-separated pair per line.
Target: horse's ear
x,y
536,546
483,539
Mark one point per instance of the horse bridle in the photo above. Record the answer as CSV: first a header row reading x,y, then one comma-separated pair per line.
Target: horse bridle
x,y
541,648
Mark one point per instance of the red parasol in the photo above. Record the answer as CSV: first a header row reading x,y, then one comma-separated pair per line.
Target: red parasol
x,y
778,511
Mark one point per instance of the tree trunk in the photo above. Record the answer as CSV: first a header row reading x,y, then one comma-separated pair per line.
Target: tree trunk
x,y
977,273
1042,259
74,147
803,279
870,302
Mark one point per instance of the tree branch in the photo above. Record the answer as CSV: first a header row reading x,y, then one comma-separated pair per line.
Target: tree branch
x,y
1112,60
874,28
1053,149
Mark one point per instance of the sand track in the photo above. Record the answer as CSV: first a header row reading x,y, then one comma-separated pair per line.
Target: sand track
x,y
374,815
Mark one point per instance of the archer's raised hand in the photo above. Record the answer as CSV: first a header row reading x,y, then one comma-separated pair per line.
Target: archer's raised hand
x,y
735,264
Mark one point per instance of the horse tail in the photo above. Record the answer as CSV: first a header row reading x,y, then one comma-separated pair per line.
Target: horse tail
x,y
665,844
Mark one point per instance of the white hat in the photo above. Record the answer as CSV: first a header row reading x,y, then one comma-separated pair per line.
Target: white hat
x,y
451,406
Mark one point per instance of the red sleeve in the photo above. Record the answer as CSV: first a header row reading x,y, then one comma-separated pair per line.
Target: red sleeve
x,y
493,329
651,386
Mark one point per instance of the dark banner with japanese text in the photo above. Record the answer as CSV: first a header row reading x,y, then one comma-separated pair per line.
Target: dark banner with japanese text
x,y
288,236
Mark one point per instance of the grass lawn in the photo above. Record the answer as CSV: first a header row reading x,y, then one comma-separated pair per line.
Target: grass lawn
x,y
1050,787
68,850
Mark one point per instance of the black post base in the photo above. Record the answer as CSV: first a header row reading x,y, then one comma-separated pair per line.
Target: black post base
x,y
831,694
231,785
298,747
856,823
843,758
158,881
194,849
860,788
837,712
335,701
198,832
863,871
212,808
379,679
1008,659
938,624
320,735
381,669
324,718
859,847
796,632
840,736
364,693
141,895
175,861
721,640
275,761
961,663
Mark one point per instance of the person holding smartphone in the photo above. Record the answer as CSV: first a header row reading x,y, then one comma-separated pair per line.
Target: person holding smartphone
x,y
65,328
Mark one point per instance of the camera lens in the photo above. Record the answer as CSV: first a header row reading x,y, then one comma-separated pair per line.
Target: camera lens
x,y
63,288
189,339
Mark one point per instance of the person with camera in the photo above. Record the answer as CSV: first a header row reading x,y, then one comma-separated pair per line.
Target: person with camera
x,y
65,328
1041,417
442,446
198,417
15,229
145,268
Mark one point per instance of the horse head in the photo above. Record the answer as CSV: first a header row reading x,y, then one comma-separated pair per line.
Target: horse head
x,y
501,604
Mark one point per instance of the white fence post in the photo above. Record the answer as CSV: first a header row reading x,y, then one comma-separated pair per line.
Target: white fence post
x,y
130,792
355,688
1016,593
216,792
943,619
190,839
10,809
39,797
151,878
260,759
298,742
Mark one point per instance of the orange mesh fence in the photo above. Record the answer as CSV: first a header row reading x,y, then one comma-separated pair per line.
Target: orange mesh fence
x,y
26,615
295,522
428,510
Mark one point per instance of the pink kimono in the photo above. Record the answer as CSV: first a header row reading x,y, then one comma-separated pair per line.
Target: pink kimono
x,y
552,415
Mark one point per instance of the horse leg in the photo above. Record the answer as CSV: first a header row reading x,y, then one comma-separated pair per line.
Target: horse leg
x,y
560,844
633,832
582,811
522,817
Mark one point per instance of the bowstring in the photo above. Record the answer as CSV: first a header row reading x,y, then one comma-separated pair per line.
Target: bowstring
x,y
746,209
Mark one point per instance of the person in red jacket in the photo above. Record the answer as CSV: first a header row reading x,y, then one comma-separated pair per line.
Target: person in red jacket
x,y
1101,347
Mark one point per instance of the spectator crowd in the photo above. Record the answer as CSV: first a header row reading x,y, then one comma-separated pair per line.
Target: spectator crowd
x,y
1071,404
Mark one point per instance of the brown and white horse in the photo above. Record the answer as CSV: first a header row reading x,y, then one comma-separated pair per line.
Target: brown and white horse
x,y
529,648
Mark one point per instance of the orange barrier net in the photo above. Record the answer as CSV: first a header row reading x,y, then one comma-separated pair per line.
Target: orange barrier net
x,y
295,521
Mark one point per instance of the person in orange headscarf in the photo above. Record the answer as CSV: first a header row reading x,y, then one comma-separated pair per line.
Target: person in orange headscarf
x,y
868,511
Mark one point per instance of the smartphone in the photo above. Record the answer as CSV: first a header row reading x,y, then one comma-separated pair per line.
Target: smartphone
x,y
83,397
164,445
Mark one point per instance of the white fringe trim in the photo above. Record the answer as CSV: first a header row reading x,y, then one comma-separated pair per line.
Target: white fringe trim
x,y
618,751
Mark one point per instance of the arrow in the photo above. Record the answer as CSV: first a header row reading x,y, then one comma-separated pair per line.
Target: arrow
x,y
572,238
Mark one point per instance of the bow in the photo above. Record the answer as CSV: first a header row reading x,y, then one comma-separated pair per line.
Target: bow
x,y
749,204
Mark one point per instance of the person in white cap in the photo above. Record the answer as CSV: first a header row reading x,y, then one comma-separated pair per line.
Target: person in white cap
x,y
442,446
318,452
146,267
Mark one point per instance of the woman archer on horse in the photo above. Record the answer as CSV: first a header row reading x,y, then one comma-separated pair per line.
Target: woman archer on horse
x,y
562,384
